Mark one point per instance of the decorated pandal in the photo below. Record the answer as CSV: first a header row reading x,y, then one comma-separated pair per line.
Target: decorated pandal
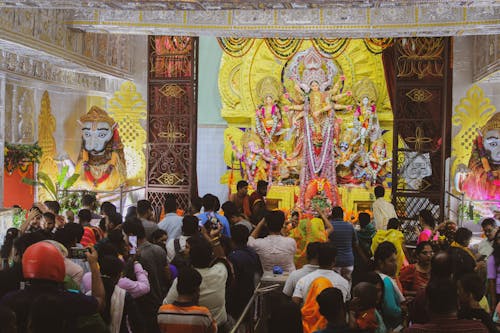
x,y
317,124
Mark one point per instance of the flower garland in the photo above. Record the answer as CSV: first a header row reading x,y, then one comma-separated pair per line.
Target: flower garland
x,y
260,116
484,158
20,156
327,137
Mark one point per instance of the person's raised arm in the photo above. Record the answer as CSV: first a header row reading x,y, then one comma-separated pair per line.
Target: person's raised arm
x,y
214,239
256,232
97,285
326,222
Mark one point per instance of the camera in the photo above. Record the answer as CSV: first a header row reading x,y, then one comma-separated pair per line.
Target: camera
x,y
78,253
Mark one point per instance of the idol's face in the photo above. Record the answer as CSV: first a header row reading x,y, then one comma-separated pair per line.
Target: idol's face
x,y
365,101
95,136
269,100
492,144
314,86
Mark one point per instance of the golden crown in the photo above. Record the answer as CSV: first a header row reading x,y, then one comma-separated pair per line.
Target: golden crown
x,y
492,123
96,114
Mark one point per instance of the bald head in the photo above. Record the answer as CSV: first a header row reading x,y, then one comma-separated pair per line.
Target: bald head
x,y
441,266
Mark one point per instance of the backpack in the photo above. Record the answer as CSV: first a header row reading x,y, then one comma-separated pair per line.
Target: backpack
x,y
180,259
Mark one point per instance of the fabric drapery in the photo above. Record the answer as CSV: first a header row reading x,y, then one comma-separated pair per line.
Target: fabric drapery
x,y
286,48
330,46
235,47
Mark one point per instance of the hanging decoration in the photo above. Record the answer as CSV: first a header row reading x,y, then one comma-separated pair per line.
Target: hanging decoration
x,y
378,45
283,48
20,156
235,47
330,46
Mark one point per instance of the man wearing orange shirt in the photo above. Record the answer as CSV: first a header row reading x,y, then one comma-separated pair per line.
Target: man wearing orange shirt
x,y
184,315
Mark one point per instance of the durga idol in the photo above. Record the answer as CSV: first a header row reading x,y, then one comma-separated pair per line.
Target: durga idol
x,y
313,74
101,163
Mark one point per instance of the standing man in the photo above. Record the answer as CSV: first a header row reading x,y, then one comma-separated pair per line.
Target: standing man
x,y
241,198
184,314
89,202
485,247
257,198
382,210
210,203
171,223
344,238
154,261
146,215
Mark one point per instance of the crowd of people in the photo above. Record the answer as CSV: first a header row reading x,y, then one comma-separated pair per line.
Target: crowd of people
x,y
196,272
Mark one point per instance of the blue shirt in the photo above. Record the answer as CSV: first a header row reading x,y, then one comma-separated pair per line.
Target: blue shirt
x,y
226,230
343,236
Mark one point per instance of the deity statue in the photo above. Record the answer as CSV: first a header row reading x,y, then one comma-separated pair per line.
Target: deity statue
x,y
483,180
256,161
365,121
379,164
268,120
313,74
101,163
347,155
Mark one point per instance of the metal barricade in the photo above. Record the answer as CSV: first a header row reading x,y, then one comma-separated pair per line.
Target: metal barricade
x,y
250,320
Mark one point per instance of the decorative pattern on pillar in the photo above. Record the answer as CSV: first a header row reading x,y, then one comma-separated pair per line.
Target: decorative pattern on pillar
x,y
422,125
172,115
46,141
128,109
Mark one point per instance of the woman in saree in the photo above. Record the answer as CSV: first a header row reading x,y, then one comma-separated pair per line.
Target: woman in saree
x,y
312,320
309,229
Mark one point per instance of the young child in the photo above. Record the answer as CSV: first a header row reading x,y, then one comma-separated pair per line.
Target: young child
x,y
363,314
471,289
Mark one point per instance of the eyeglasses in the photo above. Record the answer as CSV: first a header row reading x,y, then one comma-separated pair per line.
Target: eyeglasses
x,y
427,253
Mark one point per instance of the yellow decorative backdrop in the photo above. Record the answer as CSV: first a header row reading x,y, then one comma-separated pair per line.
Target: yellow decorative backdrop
x,y
470,115
239,76
46,141
128,109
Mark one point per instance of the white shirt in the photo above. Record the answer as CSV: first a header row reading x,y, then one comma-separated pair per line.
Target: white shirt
x,y
172,224
295,276
212,291
302,288
382,212
171,248
275,250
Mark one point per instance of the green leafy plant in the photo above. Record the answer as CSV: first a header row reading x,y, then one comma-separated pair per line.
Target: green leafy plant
x,y
19,217
62,184
19,156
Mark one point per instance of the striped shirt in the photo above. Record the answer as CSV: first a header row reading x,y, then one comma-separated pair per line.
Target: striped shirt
x,y
185,318
343,236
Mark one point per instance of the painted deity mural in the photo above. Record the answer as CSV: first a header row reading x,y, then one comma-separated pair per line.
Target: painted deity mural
x,y
101,162
483,179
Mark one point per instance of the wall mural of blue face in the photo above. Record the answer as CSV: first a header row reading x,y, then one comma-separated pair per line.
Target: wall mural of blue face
x,y
96,136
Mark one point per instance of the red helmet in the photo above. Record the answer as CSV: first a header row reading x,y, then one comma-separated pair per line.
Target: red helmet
x,y
43,261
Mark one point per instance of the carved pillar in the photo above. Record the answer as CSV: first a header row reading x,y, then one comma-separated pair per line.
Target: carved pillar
x,y
172,114
2,134
422,127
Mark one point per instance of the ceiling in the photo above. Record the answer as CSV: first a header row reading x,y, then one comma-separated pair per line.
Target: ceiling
x,y
286,19
234,4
